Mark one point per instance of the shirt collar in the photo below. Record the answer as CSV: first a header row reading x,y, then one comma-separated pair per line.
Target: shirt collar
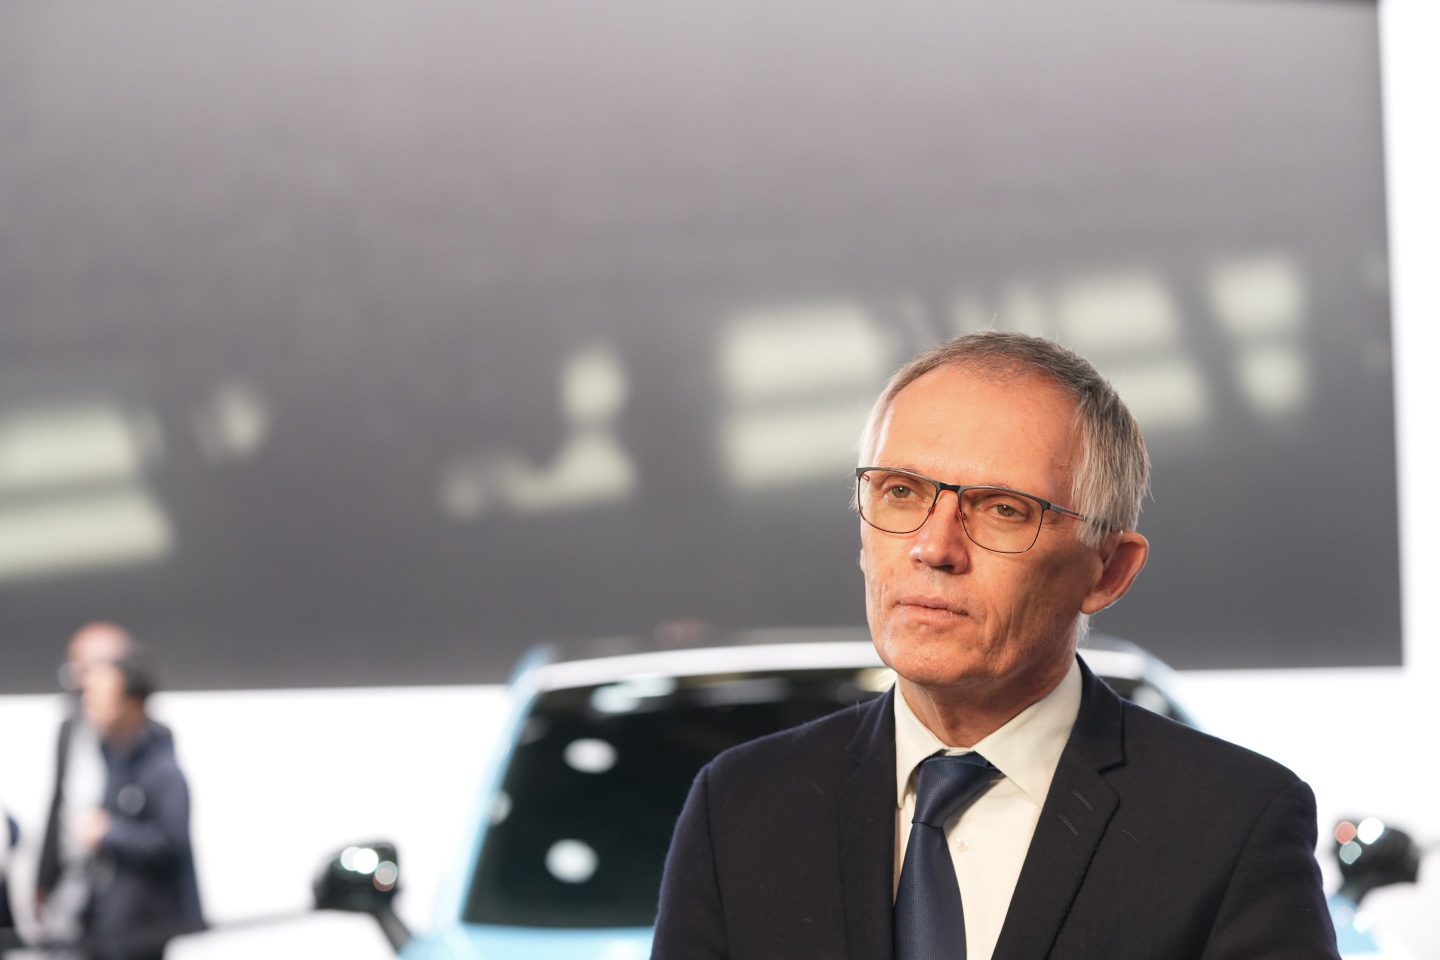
x,y
1026,749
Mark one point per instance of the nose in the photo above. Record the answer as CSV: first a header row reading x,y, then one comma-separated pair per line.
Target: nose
x,y
942,542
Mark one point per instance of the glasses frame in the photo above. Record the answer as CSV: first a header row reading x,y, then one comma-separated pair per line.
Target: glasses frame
x,y
959,490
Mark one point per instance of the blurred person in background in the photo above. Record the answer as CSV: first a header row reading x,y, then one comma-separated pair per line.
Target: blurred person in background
x,y
142,886
62,881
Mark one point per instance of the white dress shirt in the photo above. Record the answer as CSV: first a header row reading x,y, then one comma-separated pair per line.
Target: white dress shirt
x,y
989,839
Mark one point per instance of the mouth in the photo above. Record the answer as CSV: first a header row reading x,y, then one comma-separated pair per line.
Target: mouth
x,y
929,606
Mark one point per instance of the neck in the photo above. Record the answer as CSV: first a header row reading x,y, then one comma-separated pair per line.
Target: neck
x,y
964,714
126,729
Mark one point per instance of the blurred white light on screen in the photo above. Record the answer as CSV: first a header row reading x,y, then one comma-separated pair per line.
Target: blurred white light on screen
x,y
589,755
69,445
1369,830
1258,296
593,386
233,423
1125,314
571,861
1161,394
799,351
81,531
1275,379
798,383
591,468
779,447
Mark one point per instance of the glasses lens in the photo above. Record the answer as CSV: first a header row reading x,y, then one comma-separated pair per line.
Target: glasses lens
x,y
894,502
995,518
1001,520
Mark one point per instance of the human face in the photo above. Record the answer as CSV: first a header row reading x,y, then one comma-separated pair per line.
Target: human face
x,y
93,643
944,613
102,696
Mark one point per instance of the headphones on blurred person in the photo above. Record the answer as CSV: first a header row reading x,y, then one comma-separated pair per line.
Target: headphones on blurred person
x,y
137,672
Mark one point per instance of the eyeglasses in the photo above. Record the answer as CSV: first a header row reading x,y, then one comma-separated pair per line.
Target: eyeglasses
x,y
996,518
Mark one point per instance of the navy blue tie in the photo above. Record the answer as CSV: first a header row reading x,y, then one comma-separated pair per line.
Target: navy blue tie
x,y
929,921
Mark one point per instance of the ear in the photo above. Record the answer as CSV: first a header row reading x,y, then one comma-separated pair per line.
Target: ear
x,y
1126,559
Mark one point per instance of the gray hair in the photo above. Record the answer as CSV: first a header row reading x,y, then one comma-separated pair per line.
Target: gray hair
x,y
1113,474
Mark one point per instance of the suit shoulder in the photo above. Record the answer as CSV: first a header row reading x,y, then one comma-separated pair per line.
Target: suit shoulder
x,y
819,742
1153,739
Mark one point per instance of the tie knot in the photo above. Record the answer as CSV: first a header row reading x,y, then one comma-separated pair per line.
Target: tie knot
x,y
946,785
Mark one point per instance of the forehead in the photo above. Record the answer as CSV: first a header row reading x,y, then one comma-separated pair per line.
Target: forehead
x,y
96,643
961,426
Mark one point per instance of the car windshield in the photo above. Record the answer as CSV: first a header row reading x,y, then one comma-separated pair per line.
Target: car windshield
x,y
580,828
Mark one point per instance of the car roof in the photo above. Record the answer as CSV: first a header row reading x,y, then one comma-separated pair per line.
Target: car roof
x,y
1106,656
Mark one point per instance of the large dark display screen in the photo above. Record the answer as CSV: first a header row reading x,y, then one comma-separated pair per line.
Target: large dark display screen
x,y
376,343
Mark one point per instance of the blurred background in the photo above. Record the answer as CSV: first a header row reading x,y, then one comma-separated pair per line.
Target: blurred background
x,y
349,351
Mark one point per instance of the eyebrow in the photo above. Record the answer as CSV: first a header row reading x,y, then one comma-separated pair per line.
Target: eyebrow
x,y
1004,485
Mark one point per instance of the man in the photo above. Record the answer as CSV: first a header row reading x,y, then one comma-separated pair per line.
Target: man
x,y
143,888
1065,823
62,879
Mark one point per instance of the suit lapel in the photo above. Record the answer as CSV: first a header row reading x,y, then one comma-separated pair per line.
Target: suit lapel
x,y
1076,814
866,820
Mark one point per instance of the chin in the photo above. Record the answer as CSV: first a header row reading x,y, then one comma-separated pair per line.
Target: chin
x,y
933,660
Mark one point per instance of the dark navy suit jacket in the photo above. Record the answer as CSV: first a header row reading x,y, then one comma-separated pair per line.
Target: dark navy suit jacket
x,y
1156,842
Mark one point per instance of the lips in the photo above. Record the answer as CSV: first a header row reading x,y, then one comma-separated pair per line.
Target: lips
x,y
921,604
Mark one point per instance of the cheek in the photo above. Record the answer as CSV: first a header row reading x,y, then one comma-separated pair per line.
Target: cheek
x,y
872,583
867,562
1046,602
873,568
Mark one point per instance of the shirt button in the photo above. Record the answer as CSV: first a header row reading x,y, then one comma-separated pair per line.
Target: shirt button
x,y
961,843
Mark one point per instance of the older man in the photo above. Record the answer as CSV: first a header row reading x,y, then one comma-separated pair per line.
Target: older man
x,y
1001,801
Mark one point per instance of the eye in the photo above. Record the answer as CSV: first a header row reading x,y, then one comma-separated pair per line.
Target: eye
x,y
999,506
898,489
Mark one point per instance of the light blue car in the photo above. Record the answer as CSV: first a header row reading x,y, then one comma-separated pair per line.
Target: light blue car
x,y
569,843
